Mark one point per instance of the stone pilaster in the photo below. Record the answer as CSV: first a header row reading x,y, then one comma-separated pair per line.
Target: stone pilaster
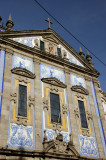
x,y
71,111
6,98
38,112
95,118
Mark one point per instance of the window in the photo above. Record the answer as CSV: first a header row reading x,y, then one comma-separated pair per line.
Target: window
x,y
42,45
59,52
22,101
82,114
55,108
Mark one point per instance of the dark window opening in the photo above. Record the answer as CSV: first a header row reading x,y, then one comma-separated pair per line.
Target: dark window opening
x,y
59,52
82,114
42,45
22,101
55,108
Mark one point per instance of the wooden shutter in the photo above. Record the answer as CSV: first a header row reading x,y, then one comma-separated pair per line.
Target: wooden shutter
x,y
55,108
22,101
82,114
59,52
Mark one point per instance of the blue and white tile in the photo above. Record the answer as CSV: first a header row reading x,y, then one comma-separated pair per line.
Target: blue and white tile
x,y
48,71
88,146
28,41
22,62
2,68
20,136
76,80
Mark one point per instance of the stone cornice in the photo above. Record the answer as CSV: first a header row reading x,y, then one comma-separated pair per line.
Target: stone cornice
x,y
23,72
53,81
26,153
80,89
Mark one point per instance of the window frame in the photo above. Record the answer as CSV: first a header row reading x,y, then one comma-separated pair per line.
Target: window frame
x,y
59,107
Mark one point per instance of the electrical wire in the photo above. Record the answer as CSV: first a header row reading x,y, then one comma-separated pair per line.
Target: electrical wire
x,y
70,33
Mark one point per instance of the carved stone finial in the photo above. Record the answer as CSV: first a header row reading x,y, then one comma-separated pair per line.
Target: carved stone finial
x,y
9,23
88,58
49,22
81,53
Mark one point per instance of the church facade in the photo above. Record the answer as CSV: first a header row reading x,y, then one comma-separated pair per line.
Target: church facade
x,y
51,103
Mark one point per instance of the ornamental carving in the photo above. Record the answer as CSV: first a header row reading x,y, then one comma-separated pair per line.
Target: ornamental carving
x,y
13,97
59,146
80,89
23,72
54,81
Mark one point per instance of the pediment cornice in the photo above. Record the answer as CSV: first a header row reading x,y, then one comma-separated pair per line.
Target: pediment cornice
x,y
79,89
23,72
54,81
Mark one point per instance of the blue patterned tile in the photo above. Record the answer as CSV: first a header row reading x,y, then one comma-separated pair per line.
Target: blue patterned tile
x,y
20,136
22,62
2,68
76,80
50,134
48,71
88,146
28,41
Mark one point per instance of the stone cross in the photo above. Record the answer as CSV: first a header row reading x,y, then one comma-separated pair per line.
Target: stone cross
x,y
49,22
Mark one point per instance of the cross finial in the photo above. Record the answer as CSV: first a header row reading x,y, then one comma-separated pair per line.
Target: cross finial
x,y
49,22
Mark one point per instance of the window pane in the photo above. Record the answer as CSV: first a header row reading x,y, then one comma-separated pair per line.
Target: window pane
x,y
22,101
82,114
55,108
59,52
42,45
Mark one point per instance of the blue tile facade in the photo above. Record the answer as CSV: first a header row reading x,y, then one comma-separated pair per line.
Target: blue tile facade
x,y
76,80
2,69
98,120
88,146
20,136
48,71
22,62
28,41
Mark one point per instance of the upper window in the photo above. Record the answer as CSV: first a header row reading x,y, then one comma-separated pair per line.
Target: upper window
x,y
82,114
55,108
59,52
22,101
42,45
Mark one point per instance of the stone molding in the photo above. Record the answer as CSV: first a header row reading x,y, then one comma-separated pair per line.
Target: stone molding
x,y
79,89
23,72
53,81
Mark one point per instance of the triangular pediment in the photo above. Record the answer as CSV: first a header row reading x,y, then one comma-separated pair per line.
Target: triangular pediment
x,y
23,72
32,38
54,81
79,89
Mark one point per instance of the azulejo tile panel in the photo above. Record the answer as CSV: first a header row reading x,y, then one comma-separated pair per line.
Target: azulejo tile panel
x,y
76,80
28,41
2,68
88,146
71,58
21,136
51,134
48,71
22,62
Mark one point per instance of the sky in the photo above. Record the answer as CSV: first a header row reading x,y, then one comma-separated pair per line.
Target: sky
x,y
85,19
